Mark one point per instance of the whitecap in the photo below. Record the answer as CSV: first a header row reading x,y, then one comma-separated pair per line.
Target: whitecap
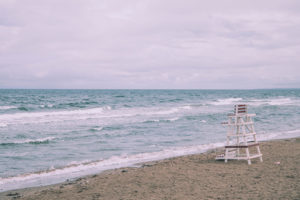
x,y
30,141
96,129
173,119
3,124
278,135
46,106
227,101
278,102
274,102
51,116
188,107
7,107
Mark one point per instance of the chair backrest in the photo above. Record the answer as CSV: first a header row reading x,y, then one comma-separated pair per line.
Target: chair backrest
x,y
240,109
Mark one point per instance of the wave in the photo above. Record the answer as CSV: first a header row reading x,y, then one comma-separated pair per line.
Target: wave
x,y
164,112
161,120
167,111
173,119
96,129
105,112
280,101
3,124
7,107
226,101
187,107
278,135
29,141
23,108
47,106
51,116
256,102
274,102
79,104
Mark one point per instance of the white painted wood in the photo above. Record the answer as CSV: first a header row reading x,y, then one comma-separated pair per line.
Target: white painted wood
x,y
240,135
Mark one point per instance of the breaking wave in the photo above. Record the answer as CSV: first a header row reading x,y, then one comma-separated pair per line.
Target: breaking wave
x,y
7,107
227,101
29,141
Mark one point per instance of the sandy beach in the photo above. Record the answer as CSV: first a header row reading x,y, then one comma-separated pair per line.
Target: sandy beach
x,y
188,177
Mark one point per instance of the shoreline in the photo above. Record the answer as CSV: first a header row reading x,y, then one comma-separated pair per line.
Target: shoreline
x,y
96,167
63,174
193,176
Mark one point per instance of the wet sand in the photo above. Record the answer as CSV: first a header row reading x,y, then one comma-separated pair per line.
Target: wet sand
x,y
188,177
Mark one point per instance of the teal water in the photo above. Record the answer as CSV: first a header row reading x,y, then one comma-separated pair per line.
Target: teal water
x,y
48,136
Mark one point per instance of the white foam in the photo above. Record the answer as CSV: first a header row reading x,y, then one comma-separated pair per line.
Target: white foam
x,y
282,101
39,140
188,107
162,120
96,128
297,131
227,101
163,112
274,102
54,113
106,113
107,107
3,124
173,119
7,107
278,135
257,102
151,120
47,106
41,117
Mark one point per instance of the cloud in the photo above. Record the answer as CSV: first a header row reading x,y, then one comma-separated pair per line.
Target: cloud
x,y
149,44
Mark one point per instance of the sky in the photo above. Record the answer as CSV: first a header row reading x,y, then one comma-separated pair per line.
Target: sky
x,y
149,44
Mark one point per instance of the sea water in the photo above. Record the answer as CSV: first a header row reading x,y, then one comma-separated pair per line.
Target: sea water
x,y
49,136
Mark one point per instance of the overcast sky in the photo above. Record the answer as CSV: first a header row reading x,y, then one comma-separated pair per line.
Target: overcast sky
x,y
144,44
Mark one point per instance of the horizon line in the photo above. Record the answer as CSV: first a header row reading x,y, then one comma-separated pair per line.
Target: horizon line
x,y
146,88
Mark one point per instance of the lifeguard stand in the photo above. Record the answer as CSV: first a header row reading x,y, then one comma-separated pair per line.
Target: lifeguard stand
x,y
241,136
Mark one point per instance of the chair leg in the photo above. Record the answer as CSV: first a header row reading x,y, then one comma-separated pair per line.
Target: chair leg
x,y
258,151
248,156
226,154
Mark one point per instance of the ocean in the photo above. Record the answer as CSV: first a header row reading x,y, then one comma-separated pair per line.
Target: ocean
x,y
50,136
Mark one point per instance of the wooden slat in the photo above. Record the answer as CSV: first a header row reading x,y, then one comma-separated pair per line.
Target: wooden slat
x,y
241,135
240,105
241,157
239,124
241,108
242,146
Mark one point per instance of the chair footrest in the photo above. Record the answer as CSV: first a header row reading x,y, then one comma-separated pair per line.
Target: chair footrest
x,y
239,157
242,146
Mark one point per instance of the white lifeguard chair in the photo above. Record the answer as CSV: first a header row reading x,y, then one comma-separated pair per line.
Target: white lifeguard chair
x,y
241,136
